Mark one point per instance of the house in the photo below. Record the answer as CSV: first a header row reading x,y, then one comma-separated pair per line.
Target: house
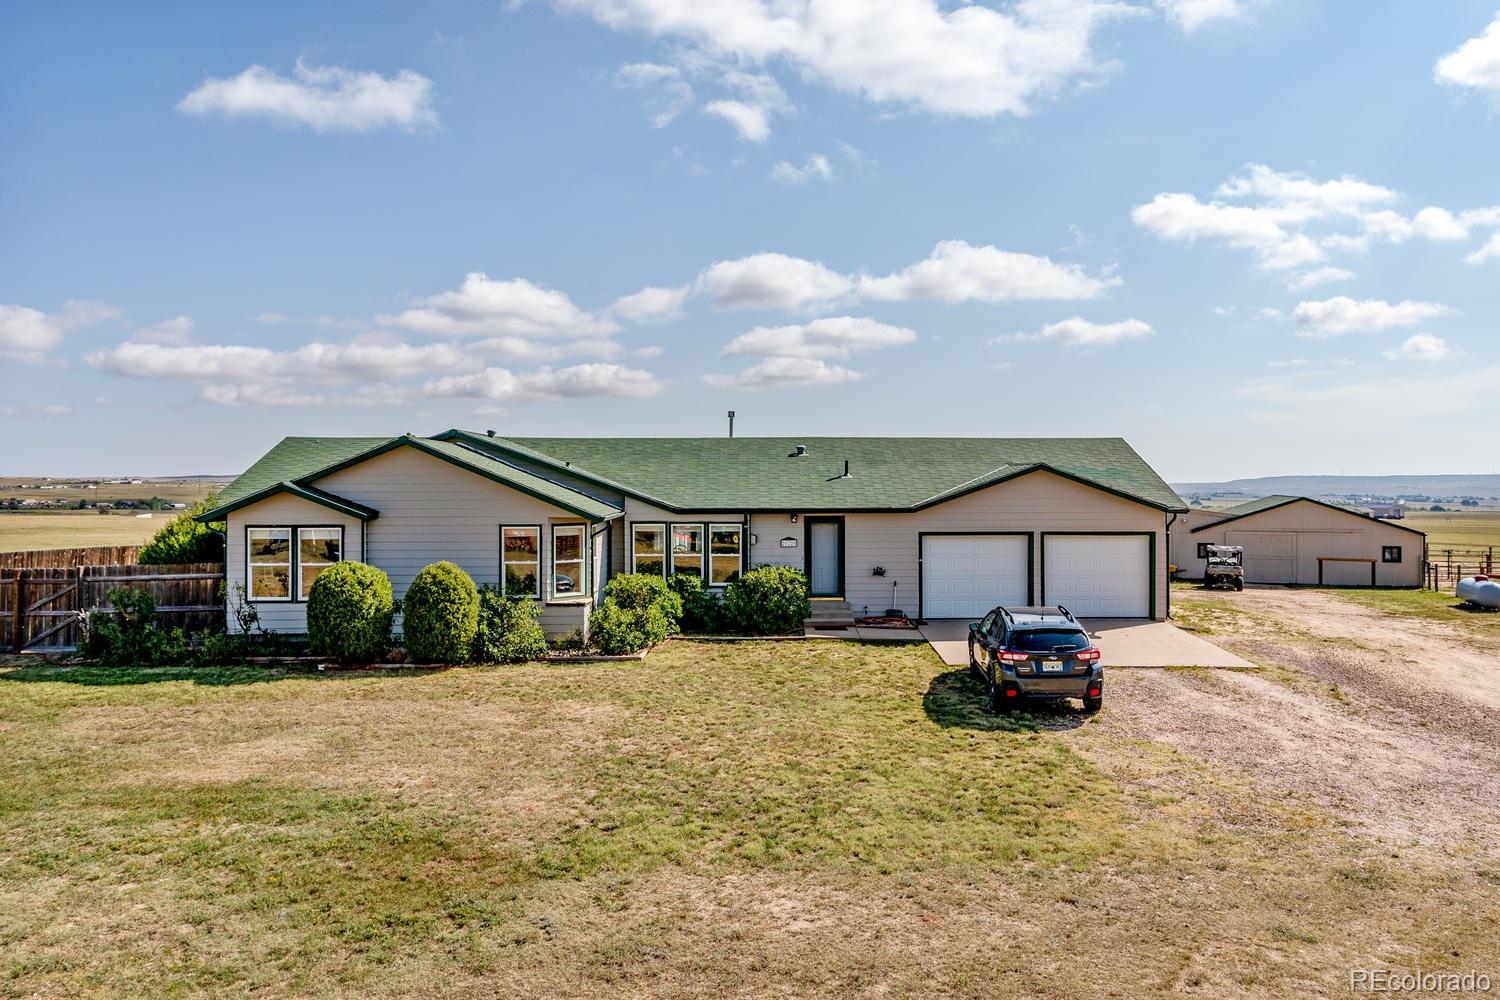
x,y
1289,539
937,527
1390,511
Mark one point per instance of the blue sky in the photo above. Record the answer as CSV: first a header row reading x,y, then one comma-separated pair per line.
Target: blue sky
x,y
1250,236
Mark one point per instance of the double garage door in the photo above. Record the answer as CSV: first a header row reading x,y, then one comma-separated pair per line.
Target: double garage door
x,y
1101,576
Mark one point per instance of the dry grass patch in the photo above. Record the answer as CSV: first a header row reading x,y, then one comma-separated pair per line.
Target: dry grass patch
x,y
764,819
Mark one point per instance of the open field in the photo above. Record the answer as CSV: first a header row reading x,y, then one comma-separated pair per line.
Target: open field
x,y
188,491
1459,528
65,529
751,820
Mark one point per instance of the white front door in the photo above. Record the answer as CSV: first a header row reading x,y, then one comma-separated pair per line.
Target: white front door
x,y
965,576
1099,576
823,558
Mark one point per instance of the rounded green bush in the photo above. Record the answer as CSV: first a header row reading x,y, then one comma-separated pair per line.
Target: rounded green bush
x,y
349,612
767,600
510,628
701,612
440,615
638,611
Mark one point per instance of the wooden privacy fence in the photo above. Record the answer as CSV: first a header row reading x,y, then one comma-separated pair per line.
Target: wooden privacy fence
x,y
41,608
96,555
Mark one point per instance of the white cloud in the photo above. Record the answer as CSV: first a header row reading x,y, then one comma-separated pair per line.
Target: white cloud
x,y
649,351
1475,63
312,363
546,383
966,60
1489,251
1318,276
956,271
1307,398
1289,220
485,307
781,372
1190,15
651,304
27,334
1289,363
1079,332
1341,314
772,281
177,330
22,411
667,93
1421,347
261,394
831,337
751,121
861,163
817,167
325,98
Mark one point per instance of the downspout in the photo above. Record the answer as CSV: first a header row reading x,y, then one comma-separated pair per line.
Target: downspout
x,y
1170,522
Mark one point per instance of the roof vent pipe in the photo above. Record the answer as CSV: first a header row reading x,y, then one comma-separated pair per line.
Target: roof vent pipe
x,y
846,470
489,433
800,452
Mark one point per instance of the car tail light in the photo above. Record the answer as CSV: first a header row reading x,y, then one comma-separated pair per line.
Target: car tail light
x,y
1094,691
1010,657
1089,655
1012,693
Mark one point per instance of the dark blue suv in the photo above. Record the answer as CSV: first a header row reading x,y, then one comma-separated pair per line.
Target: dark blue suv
x,y
1026,653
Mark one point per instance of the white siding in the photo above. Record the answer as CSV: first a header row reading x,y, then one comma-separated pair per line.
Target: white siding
x,y
769,530
430,510
280,511
1283,546
1184,545
1035,503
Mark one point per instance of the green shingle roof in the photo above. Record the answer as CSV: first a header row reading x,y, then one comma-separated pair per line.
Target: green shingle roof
x,y
294,458
885,473
1256,506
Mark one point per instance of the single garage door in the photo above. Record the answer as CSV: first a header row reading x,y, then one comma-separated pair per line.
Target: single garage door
x,y
1270,556
964,576
1099,576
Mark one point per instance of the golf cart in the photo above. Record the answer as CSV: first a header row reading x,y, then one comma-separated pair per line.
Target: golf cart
x,y
1226,567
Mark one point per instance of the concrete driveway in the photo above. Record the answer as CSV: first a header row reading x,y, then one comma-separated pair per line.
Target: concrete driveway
x,y
1125,642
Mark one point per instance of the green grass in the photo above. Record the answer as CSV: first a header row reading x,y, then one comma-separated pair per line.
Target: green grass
x,y
22,530
1429,604
758,819
1467,529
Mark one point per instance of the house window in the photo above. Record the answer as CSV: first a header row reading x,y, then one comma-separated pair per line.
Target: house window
x,y
567,559
649,553
1203,550
520,561
687,549
269,563
724,553
317,549
1390,553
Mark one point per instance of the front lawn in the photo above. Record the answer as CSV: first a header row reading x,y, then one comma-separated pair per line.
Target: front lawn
x,y
754,819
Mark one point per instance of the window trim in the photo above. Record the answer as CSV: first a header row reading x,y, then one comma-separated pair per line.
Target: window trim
x,y
1385,554
536,595
297,597
582,593
291,565
702,548
1203,549
666,545
739,526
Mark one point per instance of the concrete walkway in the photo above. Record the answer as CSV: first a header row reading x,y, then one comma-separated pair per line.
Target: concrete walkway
x,y
1125,642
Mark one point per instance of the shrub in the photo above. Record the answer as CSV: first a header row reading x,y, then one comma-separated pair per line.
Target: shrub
x,y
440,615
130,635
701,611
638,611
184,540
349,612
767,600
510,628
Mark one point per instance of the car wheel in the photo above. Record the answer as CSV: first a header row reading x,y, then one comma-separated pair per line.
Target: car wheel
x,y
1092,705
1239,585
973,663
997,704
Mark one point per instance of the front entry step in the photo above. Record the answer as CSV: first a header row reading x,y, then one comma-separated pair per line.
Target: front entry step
x,y
829,614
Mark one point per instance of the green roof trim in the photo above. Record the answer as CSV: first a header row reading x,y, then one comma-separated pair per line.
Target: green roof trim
x,y
1252,507
317,496
737,474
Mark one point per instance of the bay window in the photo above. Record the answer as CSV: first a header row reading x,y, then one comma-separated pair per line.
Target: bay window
x,y
649,549
268,569
725,551
317,549
521,561
687,549
568,548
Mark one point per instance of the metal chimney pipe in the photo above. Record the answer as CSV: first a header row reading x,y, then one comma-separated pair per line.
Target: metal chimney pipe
x,y
731,423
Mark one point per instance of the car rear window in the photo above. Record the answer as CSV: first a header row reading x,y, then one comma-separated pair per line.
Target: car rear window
x,y
1049,640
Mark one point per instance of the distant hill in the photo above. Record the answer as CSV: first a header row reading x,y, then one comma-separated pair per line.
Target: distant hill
x,y
1323,486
